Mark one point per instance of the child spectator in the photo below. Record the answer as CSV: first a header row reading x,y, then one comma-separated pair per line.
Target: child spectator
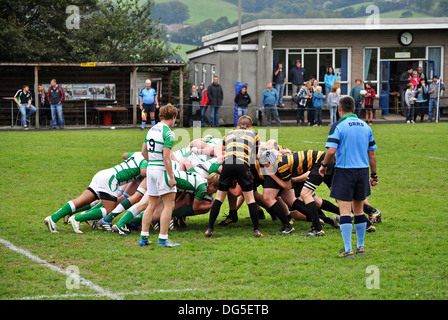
x,y
370,97
333,101
318,99
410,100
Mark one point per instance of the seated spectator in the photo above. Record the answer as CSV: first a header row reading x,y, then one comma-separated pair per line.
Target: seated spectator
x,y
23,99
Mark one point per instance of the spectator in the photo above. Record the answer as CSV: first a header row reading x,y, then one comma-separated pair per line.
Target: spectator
x,y
420,74
215,96
435,89
269,101
329,79
415,80
56,95
242,100
355,93
204,107
194,104
370,98
421,104
280,81
296,77
410,100
304,96
318,101
333,102
405,78
148,104
310,106
44,104
23,98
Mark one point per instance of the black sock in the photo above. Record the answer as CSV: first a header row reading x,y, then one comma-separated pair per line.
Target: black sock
x,y
278,210
214,212
253,211
330,207
233,214
325,218
368,209
314,214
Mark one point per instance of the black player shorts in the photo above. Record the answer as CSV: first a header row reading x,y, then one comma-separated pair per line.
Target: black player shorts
x,y
314,179
350,184
235,171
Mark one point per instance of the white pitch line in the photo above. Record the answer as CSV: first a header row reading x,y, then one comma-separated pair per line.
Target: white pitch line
x,y
438,158
99,295
87,283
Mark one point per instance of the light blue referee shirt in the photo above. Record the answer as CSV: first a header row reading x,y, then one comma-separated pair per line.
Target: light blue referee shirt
x,y
148,96
352,138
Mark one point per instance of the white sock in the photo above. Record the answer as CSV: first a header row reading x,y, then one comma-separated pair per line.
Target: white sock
x,y
72,206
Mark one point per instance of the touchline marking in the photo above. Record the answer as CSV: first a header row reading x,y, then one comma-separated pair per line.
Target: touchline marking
x,y
98,295
438,158
87,283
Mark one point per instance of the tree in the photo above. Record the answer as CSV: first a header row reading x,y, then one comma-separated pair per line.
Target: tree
x,y
109,31
171,12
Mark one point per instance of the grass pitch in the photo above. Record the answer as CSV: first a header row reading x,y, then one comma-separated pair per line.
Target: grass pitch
x,y
41,171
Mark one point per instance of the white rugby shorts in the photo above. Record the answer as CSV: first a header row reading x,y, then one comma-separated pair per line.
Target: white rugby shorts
x,y
158,183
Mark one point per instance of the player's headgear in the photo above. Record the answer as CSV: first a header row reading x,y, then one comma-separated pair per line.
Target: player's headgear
x,y
268,156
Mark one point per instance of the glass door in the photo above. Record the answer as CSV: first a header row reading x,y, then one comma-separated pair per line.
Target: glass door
x,y
384,86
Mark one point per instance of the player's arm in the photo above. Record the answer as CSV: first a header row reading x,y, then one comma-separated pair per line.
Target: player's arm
x,y
168,165
301,178
145,151
183,200
201,206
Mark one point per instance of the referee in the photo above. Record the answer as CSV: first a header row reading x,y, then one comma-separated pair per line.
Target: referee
x,y
148,104
351,141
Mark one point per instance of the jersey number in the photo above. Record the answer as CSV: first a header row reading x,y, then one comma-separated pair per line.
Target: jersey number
x,y
151,145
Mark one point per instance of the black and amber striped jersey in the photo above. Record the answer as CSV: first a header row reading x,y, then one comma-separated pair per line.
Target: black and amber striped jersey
x,y
297,163
241,144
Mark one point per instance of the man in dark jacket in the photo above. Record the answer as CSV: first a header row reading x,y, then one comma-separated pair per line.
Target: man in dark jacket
x,y
215,96
403,86
55,95
242,100
297,77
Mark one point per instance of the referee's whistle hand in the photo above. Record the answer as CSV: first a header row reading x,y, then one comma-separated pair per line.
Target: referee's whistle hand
x,y
322,171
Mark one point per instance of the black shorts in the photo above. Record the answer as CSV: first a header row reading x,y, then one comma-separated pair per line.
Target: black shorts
x,y
235,171
314,179
350,184
367,107
149,107
270,183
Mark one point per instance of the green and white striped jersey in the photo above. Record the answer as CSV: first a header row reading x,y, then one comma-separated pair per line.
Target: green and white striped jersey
x,y
158,137
130,168
192,183
206,168
214,141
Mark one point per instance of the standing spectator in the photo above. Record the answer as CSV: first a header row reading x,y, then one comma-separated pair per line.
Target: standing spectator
x,y
280,81
355,93
415,80
318,101
333,102
44,104
421,74
296,77
370,98
242,100
215,96
304,96
310,106
329,79
405,78
204,107
422,93
351,142
269,101
435,89
23,99
410,100
148,104
56,95
194,104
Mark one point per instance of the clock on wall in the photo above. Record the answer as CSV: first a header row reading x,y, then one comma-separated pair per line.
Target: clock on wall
x,y
405,38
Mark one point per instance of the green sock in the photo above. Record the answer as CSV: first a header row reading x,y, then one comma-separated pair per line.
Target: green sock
x,y
144,235
127,218
163,237
137,219
124,205
68,209
94,214
184,212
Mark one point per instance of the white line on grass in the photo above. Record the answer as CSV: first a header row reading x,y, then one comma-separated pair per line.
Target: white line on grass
x,y
87,283
438,158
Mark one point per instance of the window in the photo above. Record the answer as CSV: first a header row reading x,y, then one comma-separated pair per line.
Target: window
x,y
196,74
213,73
204,74
371,63
316,62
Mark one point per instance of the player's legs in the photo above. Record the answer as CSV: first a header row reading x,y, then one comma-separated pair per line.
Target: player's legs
x,y
165,218
152,203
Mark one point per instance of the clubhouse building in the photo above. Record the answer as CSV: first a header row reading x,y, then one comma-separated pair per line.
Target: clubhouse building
x,y
355,48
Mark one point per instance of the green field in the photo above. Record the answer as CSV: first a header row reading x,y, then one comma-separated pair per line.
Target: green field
x,y
41,171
